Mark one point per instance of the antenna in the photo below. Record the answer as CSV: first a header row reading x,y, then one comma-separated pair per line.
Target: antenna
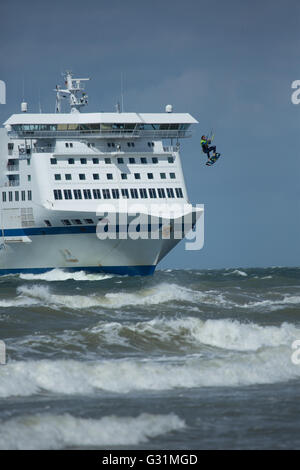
x,y
122,98
40,106
24,106
23,88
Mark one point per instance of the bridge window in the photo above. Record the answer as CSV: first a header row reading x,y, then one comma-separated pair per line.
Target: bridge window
x,y
152,193
115,193
106,193
77,193
125,193
143,193
67,193
134,193
57,194
87,194
161,193
96,194
170,192
179,192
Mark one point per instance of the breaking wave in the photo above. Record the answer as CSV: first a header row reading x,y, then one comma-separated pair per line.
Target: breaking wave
x,y
229,354
180,336
60,275
151,296
224,334
237,272
46,431
159,294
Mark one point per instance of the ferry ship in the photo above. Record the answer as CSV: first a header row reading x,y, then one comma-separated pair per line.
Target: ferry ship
x,y
58,170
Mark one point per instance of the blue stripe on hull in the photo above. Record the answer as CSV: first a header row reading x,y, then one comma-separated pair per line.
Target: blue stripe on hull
x,y
15,232
121,270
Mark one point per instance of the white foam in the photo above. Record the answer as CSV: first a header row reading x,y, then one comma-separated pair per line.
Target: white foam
x,y
155,295
60,275
226,334
238,272
274,304
20,301
46,431
151,296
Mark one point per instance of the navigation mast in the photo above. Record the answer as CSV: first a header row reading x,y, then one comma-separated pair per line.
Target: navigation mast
x,y
74,90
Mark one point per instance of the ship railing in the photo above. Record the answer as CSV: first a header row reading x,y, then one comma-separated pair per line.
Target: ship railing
x,y
24,152
12,167
10,183
171,148
111,134
46,149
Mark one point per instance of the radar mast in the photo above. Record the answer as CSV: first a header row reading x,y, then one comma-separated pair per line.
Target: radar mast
x,y
74,91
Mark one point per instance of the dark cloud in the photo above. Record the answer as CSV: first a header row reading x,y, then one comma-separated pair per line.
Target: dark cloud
x,y
230,64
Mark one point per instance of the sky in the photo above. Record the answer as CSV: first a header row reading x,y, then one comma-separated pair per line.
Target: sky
x,y
230,64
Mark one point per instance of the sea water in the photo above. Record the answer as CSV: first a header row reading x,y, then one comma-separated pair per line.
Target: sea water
x,y
183,359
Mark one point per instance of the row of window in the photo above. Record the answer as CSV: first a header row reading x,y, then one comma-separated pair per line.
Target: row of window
x,y
133,193
109,144
107,160
16,196
72,222
109,176
104,127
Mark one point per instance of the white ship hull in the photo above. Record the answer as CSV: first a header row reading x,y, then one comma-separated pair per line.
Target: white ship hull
x,y
76,248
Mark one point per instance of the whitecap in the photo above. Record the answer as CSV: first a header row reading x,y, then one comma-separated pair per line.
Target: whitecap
x,y
48,431
60,275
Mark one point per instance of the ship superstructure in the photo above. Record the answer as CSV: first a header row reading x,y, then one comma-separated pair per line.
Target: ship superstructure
x,y
58,169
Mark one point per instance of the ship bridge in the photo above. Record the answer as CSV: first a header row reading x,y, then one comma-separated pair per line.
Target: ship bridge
x,y
100,125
